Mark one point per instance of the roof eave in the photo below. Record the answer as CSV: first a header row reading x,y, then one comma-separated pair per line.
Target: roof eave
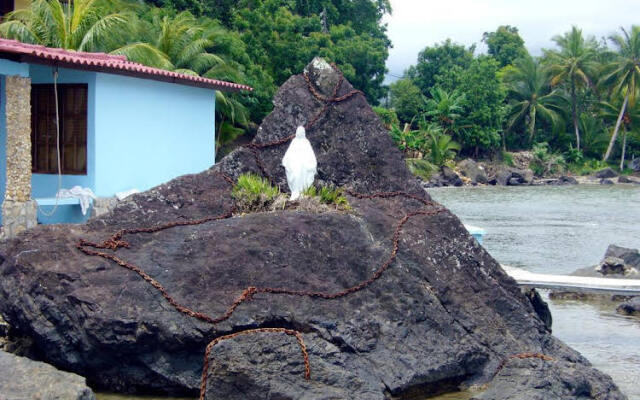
x,y
222,86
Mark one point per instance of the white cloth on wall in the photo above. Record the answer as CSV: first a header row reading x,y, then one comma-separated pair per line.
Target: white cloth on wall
x,y
77,192
300,164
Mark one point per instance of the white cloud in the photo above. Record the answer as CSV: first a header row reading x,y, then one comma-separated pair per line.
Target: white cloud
x,y
416,24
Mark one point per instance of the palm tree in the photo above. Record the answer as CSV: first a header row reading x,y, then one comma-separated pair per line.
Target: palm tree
x,y
623,75
445,107
630,121
573,64
594,137
83,25
440,145
527,83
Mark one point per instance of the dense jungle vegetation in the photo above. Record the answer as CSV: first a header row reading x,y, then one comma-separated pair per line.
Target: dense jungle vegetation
x,y
576,102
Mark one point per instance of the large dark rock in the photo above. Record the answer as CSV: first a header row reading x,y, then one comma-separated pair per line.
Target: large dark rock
x,y
606,173
536,379
22,378
634,164
443,314
629,256
472,170
630,307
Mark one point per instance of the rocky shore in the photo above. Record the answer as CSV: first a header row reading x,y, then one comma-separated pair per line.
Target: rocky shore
x,y
393,299
471,173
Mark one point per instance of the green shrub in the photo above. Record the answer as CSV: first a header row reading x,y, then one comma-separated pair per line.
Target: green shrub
x,y
544,162
422,168
388,117
574,155
253,193
588,167
507,158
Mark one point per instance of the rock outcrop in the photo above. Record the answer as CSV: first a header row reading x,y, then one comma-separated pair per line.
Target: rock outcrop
x,y
630,307
606,173
472,170
22,378
440,314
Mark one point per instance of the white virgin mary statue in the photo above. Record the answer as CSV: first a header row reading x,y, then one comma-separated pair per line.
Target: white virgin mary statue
x,y
300,164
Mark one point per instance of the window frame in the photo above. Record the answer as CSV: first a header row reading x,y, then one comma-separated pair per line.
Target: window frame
x,y
35,114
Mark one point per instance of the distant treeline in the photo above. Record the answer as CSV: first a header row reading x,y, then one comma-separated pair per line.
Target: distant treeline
x,y
579,98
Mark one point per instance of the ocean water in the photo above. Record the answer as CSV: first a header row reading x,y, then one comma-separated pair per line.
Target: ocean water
x,y
556,230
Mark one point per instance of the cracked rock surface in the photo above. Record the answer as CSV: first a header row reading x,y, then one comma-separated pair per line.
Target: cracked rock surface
x,y
443,315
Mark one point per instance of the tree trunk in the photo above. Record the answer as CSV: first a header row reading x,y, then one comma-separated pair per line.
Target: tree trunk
x,y
624,147
574,113
615,130
532,124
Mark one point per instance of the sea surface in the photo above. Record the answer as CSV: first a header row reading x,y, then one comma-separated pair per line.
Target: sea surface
x,y
556,230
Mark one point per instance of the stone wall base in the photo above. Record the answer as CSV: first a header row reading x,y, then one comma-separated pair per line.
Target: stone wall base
x,y
18,216
103,205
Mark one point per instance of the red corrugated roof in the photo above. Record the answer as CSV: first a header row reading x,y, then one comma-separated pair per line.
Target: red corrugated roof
x,y
106,63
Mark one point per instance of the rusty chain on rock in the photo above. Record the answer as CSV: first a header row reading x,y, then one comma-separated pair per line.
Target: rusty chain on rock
x,y
117,241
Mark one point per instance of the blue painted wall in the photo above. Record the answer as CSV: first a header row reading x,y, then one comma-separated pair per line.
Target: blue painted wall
x,y
148,132
6,68
140,133
46,185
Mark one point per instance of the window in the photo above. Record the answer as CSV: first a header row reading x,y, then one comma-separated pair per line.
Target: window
x,y
72,110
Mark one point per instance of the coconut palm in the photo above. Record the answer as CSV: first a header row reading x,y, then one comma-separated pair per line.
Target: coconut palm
x,y
623,75
573,64
629,123
594,136
531,96
445,108
440,145
83,25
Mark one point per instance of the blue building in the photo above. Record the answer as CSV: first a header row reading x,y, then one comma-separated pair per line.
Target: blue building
x,y
122,126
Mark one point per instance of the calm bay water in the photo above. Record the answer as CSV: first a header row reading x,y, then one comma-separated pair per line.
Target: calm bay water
x,y
556,230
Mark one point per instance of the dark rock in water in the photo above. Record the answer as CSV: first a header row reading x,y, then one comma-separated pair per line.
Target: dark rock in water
x,y
524,176
629,256
606,182
611,266
540,306
451,177
566,180
630,307
473,171
634,164
442,314
22,378
537,379
502,176
615,266
606,173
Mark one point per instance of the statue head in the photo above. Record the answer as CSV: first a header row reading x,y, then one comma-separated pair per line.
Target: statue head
x,y
301,133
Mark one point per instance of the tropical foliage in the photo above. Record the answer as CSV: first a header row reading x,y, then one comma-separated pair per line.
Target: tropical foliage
x,y
576,102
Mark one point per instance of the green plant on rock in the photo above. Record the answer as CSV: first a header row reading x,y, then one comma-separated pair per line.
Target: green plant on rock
x,y
422,168
253,193
544,162
327,195
441,147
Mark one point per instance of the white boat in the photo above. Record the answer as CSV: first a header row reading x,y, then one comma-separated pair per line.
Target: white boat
x,y
476,232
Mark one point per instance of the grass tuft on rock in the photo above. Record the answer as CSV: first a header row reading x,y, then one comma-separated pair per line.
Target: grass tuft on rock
x,y
253,193
328,195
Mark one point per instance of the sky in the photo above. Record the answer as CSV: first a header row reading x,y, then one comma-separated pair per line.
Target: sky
x,y
415,24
